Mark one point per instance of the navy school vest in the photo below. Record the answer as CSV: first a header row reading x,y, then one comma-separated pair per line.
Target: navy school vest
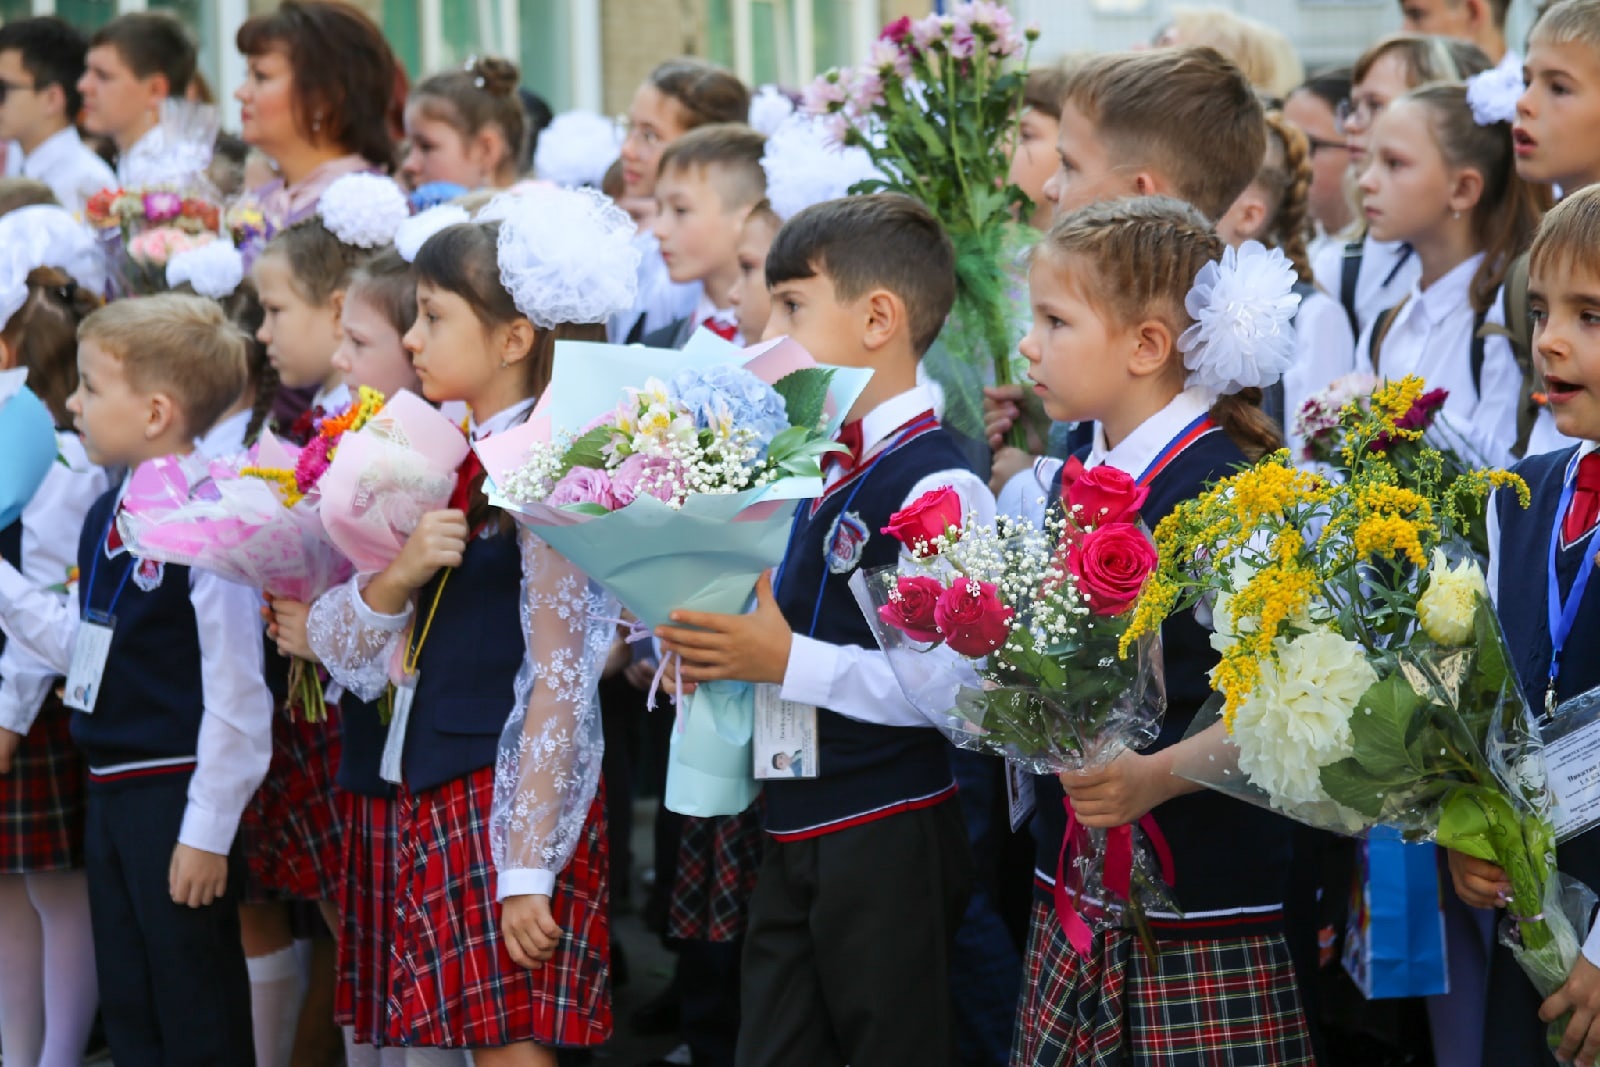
x,y
11,552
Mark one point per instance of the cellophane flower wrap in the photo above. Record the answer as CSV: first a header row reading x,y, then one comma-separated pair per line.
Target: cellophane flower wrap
x,y
141,228
1364,678
670,479
936,107
1008,637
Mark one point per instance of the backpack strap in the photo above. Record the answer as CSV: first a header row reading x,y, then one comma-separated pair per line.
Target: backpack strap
x,y
1380,330
1518,329
1479,339
1349,272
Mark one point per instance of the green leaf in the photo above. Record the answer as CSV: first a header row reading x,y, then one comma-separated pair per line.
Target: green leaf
x,y
1380,724
588,450
1493,669
805,396
1348,784
585,509
1468,822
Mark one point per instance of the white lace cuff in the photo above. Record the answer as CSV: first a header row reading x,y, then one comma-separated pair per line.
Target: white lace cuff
x,y
522,882
372,619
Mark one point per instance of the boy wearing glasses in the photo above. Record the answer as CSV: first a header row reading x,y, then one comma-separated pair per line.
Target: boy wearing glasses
x,y
41,60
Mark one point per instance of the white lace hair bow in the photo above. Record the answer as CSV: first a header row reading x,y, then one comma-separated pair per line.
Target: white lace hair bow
x,y
364,210
414,232
806,166
43,235
577,148
1493,95
1243,307
214,270
566,255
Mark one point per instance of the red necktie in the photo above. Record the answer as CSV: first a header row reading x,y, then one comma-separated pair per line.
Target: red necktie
x,y
113,540
1585,506
850,436
1071,471
725,328
467,475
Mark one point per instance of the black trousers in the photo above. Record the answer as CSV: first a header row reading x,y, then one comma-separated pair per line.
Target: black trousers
x,y
847,959
173,985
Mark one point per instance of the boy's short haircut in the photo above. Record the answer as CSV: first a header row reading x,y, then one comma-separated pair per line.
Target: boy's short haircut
x,y
182,345
730,155
1569,22
52,53
24,192
151,43
1568,238
878,241
1186,113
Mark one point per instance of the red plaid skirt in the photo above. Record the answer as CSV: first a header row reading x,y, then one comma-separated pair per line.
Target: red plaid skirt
x,y
1204,1003
290,831
42,799
718,862
366,916
452,984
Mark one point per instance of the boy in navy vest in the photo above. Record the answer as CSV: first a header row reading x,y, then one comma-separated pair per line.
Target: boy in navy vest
x,y
1551,543
867,870
175,722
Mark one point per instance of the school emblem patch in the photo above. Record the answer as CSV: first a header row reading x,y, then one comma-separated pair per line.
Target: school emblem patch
x,y
147,574
845,542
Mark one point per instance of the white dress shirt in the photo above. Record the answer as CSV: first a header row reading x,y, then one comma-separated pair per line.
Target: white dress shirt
x,y
661,301
51,522
226,436
1324,351
70,168
858,682
1388,271
234,747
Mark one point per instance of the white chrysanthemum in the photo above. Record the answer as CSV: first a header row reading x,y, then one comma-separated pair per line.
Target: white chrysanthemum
x,y
48,236
577,148
1243,307
1297,719
1448,606
1493,94
806,166
214,270
364,210
414,232
566,255
769,110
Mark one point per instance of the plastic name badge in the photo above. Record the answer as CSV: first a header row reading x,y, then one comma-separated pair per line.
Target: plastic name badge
x,y
1572,764
89,654
785,743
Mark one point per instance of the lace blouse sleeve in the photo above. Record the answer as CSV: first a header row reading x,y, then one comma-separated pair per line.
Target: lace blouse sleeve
x,y
356,644
548,768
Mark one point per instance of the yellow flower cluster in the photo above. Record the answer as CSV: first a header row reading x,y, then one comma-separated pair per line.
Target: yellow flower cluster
x,y
368,403
281,479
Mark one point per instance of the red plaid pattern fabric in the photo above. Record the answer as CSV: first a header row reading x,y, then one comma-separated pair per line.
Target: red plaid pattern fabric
x,y
290,831
1204,1003
366,917
718,862
451,982
42,799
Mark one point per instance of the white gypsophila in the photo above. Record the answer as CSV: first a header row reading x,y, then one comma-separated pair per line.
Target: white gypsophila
x,y
769,109
364,210
1297,718
1243,307
577,148
1493,94
413,233
1448,607
566,255
805,166
214,270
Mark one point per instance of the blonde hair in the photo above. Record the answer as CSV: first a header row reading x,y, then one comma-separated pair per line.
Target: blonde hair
x,y
24,192
1264,54
1569,22
1568,239
1427,58
182,345
728,154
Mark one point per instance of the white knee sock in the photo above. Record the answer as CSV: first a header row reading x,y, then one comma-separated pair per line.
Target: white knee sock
x,y
435,1057
22,976
369,1056
274,1005
71,995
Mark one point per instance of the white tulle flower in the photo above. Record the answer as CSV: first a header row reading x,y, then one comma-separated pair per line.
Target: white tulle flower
x,y
1493,95
1243,307
1449,606
566,255
48,236
1297,719
214,270
414,232
14,271
805,165
364,210
769,109
577,148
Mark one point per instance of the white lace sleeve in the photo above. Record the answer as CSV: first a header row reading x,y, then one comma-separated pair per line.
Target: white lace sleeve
x,y
356,644
549,764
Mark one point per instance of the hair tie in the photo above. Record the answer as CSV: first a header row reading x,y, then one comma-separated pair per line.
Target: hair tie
x,y
364,210
1243,306
414,232
565,255
1493,95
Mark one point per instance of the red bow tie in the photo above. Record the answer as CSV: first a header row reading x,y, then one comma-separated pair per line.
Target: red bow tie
x,y
724,327
850,436
1071,471
1585,506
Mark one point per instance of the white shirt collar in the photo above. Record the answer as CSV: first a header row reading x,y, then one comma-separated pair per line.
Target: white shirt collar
x,y
882,421
226,437
1134,455
53,152
148,147
1447,294
336,399
501,420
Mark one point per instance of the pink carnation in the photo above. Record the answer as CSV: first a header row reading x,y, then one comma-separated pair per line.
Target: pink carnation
x,y
312,463
162,206
584,485
645,476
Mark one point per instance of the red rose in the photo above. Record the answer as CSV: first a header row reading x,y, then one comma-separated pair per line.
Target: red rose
x,y
897,31
1104,495
927,518
971,618
1111,564
98,209
910,607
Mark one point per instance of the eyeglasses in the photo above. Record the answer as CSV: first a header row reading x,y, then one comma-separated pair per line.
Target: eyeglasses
x,y
1318,144
647,136
1358,110
6,88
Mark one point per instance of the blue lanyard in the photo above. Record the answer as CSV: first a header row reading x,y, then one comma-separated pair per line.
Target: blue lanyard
x,y
1563,614
94,569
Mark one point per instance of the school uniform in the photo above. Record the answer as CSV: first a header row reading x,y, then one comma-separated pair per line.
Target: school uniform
x,y
178,740
1365,276
1222,986
724,322
1512,1030
867,871
661,301
1324,351
69,167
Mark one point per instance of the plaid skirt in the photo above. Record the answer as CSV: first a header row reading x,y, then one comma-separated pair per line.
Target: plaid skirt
x,y
290,831
718,862
42,799
452,984
1204,1003
366,916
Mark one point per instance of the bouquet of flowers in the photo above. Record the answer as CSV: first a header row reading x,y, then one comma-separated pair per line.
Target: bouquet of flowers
x,y
936,107
677,495
142,228
1364,679
1007,638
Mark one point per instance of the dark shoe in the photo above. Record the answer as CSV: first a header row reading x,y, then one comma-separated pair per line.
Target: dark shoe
x,y
659,1015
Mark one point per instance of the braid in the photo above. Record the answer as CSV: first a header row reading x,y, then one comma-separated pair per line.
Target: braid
x,y
1290,225
264,377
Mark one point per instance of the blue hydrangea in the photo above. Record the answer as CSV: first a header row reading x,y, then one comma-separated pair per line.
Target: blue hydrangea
x,y
751,403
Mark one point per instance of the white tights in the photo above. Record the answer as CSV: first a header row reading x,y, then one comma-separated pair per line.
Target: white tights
x,y
48,993
367,1056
